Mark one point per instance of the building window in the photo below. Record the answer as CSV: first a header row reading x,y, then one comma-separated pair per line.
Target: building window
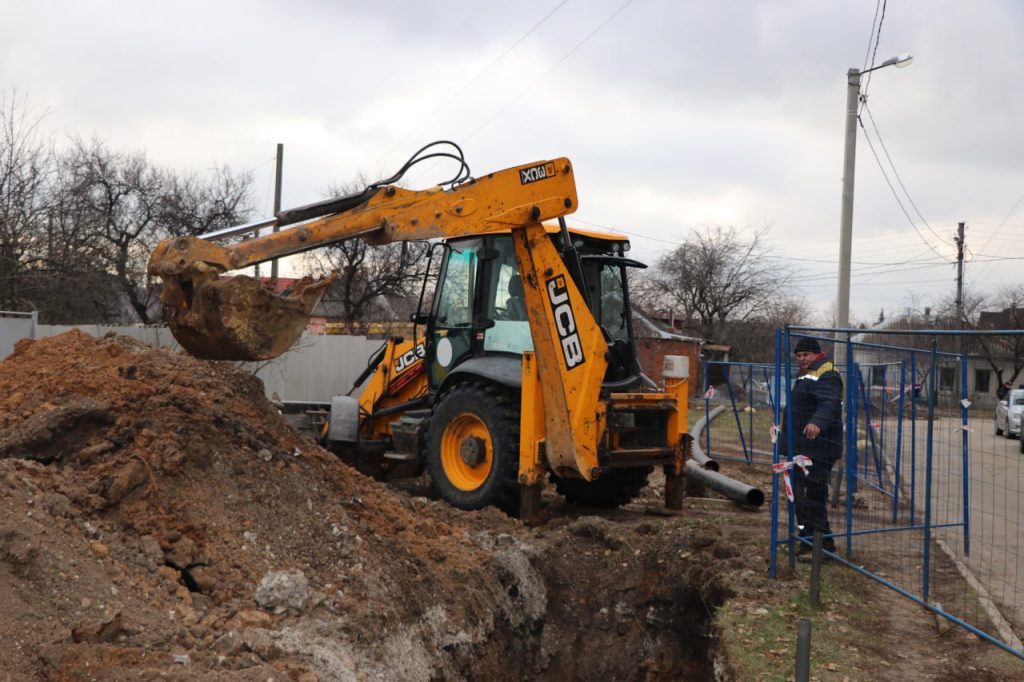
x,y
981,380
947,378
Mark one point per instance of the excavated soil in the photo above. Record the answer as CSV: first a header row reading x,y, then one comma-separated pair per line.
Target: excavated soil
x,y
159,519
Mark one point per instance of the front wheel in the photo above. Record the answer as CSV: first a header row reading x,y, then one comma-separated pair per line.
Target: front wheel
x,y
473,448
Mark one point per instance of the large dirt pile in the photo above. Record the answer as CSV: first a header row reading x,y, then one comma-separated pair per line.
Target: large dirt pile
x,y
158,518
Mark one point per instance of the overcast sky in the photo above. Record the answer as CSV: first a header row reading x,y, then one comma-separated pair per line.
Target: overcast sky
x,y
676,114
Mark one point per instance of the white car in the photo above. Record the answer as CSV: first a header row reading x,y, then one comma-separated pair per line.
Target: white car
x,y
1008,413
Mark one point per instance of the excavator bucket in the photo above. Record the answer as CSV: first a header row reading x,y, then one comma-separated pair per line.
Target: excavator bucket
x,y
237,318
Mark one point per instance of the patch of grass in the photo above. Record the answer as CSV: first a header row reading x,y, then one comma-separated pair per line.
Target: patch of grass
x,y
759,638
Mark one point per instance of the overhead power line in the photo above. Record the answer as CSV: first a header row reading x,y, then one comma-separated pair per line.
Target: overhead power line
x,y
895,194
876,36
553,67
544,75
892,165
471,82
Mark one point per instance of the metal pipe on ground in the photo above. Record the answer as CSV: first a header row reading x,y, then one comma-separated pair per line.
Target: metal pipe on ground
x,y
698,427
704,470
720,483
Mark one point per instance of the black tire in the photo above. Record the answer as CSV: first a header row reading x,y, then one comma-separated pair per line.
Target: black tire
x,y
1022,444
999,431
613,488
484,419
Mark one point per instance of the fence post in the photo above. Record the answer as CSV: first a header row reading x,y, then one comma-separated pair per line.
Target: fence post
x,y
735,414
750,411
933,373
789,440
851,443
881,418
803,650
707,409
776,413
913,435
965,432
899,441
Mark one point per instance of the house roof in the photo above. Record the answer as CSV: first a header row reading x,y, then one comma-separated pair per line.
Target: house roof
x,y
648,328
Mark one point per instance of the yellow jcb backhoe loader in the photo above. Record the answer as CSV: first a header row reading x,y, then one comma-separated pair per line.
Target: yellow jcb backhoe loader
x,y
525,364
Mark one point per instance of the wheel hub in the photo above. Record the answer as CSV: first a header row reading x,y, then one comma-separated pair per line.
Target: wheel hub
x,y
473,451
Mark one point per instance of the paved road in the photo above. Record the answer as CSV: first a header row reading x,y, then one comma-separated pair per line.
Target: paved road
x,y
995,510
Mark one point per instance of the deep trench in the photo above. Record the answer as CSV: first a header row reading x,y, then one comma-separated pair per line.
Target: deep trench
x,y
648,627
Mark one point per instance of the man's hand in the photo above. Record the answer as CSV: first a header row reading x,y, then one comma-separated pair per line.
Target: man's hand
x,y
811,431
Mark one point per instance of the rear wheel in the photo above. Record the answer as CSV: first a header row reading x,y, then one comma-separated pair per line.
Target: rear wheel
x,y
999,431
473,448
613,488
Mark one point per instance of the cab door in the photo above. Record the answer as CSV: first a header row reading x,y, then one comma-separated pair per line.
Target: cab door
x,y
451,333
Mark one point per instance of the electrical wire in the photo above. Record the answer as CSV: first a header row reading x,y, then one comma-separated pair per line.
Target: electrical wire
x,y
878,36
896,173
553,67
895,195
544,75
471,82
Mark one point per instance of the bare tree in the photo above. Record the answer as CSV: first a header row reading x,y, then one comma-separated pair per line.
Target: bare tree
x,y
25,173
192,205
1005,311
369,277
121,205
753,338
717,277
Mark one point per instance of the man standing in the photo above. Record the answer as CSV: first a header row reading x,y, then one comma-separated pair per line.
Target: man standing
x,y
817,413
1003,391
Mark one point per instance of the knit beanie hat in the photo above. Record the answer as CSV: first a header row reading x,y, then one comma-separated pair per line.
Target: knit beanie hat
x,y
807,345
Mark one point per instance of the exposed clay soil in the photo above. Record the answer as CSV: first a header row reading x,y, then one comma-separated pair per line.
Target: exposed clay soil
x,y
158,518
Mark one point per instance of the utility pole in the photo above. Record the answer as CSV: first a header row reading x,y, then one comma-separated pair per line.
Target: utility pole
x,y
960,274
849,163
959,285
277,199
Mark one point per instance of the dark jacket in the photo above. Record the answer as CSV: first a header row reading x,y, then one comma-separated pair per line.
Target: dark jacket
x,y
817,397
1002,391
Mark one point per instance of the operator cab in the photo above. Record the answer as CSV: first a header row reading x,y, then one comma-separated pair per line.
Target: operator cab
x,y
479,320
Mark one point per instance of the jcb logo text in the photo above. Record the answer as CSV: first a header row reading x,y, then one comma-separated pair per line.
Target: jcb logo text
x,y
565,322
409,358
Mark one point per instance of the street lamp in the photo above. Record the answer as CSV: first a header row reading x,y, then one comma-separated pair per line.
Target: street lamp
x,y
849,159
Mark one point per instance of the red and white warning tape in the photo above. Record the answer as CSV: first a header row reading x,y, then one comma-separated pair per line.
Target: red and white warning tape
x,y
802,461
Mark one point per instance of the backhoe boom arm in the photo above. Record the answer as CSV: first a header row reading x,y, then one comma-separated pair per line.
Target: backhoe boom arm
x,y
499,201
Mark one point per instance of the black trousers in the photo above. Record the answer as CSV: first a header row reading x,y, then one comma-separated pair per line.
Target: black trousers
x,y
811,494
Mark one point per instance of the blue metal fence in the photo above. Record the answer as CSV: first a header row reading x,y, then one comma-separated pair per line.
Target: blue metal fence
x,y
927,495
928,498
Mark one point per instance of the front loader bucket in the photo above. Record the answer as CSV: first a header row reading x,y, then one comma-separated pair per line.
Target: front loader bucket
x,y
237,318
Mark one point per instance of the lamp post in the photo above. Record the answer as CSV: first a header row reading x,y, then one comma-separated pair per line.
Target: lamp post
x,y
849,159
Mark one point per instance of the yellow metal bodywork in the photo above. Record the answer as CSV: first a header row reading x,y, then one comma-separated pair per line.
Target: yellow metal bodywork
x,y
215,326
399,378
569,350
531,424
564,418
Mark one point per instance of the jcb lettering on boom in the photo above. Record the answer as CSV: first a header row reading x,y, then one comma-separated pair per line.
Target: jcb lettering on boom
x,y
535,173
409,358
565,322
